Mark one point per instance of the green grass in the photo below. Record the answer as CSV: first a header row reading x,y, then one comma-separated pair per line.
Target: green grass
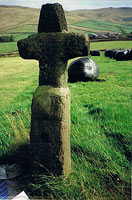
x,y
21,36
16,87
100,130
111,45
8,47
18,33
104,26
25,28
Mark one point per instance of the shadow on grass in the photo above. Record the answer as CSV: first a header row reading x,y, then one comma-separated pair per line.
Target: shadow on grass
x,y
118,139
94,111
21,154
121,141
99,166
19,162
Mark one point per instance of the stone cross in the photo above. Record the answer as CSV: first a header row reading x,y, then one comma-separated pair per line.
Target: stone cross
x,y
50,111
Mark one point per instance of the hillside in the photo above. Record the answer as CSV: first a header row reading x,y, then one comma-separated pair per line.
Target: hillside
x,y
12,17
15,17
116,15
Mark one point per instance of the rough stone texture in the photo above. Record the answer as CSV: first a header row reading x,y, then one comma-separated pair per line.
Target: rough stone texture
x,y
50,129
52,19
53,50
50,116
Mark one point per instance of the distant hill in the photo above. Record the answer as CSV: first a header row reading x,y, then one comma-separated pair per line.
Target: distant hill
x,y
91,20
116,15
14,18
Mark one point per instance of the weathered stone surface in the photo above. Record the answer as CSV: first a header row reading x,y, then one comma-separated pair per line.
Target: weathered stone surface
x,y
52,19
53,50
50,116
50,129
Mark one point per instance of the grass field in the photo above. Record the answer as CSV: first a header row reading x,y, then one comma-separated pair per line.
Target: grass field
x,y
19,20
14,16
100,111
111,45
100,130
104,26
8,47
25,28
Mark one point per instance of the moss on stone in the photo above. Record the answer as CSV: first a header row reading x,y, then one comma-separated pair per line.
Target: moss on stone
x,y
53,50
50,120
52,19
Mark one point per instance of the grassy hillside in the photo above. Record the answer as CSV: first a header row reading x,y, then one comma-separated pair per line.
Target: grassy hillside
x,y
20,22
103,26
13,17
100,130
21,19
99,20
116,15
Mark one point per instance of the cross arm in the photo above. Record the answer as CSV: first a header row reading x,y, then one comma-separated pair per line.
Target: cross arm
x,y
54,46
76,45
29,48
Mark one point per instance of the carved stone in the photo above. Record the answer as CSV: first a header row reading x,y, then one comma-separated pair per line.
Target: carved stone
x,y
50,116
